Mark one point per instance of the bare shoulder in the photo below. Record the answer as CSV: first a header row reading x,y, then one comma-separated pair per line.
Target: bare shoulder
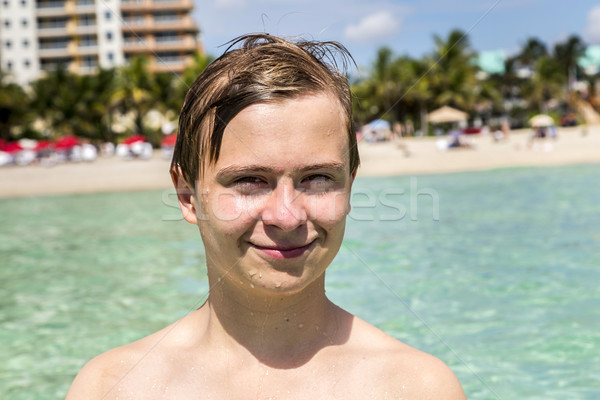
x,y
122,367
99,375
404,370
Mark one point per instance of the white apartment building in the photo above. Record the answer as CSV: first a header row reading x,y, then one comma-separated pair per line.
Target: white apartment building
x,y
37,36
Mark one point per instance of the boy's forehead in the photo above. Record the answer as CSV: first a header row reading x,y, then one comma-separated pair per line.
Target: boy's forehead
x,y
264,131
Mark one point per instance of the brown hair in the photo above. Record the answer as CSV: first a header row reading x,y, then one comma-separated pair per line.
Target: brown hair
x,y
263,69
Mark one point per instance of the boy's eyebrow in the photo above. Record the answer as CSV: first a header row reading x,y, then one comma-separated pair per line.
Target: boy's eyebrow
x,y
259,168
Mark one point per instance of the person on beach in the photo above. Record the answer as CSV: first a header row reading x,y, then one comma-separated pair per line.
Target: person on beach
x,y
264,164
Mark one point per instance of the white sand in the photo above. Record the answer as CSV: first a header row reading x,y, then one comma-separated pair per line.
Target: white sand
x,y
380,159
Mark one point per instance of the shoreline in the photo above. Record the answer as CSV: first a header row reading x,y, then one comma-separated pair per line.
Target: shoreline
x,y
410,156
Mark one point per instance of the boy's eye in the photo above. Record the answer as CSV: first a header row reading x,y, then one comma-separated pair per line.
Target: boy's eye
x,y
250,184
318,182
248,179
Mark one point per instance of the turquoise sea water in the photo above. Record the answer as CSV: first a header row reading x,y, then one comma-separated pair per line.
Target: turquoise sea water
x,y
496,273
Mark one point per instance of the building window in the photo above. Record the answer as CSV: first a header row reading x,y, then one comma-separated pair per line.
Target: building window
x,y
7,23
5,2
23,3
25,43
108,35
9,65
110,56
24,22
27,63
108,15
8,44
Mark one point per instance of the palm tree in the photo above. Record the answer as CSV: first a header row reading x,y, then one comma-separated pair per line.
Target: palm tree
x,y
95,114
532,51
55,101
566,55
75,104
453,72
136,91
13,107
379,94
547,83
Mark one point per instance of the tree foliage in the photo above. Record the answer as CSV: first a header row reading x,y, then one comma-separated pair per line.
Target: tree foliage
x,y
396,88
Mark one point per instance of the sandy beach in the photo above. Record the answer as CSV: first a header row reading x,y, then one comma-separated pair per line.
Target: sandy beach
x,y
411,156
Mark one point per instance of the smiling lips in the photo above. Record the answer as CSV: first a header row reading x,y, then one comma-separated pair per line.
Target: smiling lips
x,y
281,252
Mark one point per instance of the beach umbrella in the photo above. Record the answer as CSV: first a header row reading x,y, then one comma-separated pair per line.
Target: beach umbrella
x,y
42,145
27,143
378,124
447,114
169,140
541,120
66,142
11,147
134,139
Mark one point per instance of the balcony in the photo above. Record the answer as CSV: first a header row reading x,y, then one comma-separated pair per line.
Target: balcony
x,y
83,9
185,24
43,5
145,45
169,65
53,65
84,29
185,44
138,45
87,48
54,50
162,5
52,29
51,8
179,5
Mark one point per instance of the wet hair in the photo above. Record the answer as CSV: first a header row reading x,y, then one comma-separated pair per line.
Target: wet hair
x,y
257,68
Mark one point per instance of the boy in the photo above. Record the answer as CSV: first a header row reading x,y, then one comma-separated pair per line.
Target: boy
x,y
263,165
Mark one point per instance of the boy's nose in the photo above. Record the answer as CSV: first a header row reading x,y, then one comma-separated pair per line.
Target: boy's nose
x,y
285,207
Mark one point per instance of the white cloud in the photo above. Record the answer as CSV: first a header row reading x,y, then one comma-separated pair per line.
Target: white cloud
x,y
374,26
592,30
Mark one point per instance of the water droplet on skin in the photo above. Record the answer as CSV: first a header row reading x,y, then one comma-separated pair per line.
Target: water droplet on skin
x,y
260,275
300,326
252,285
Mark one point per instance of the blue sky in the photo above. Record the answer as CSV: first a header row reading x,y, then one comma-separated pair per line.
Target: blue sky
x,y
407,27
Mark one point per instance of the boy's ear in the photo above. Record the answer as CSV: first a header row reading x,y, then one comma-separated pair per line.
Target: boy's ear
x,y
185,196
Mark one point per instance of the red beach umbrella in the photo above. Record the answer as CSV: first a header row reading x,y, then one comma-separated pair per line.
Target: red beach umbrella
x,y
134,139
42,145
66,142
169,140
11,147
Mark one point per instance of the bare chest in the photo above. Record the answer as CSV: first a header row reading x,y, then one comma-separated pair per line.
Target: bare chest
x,y
326,382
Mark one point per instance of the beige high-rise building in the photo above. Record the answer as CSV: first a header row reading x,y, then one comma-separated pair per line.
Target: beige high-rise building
x,y
37,36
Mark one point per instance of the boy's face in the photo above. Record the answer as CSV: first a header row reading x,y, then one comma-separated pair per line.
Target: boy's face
x,y
272,209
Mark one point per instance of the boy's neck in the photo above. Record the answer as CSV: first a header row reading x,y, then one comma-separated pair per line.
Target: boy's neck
x,y
282,331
